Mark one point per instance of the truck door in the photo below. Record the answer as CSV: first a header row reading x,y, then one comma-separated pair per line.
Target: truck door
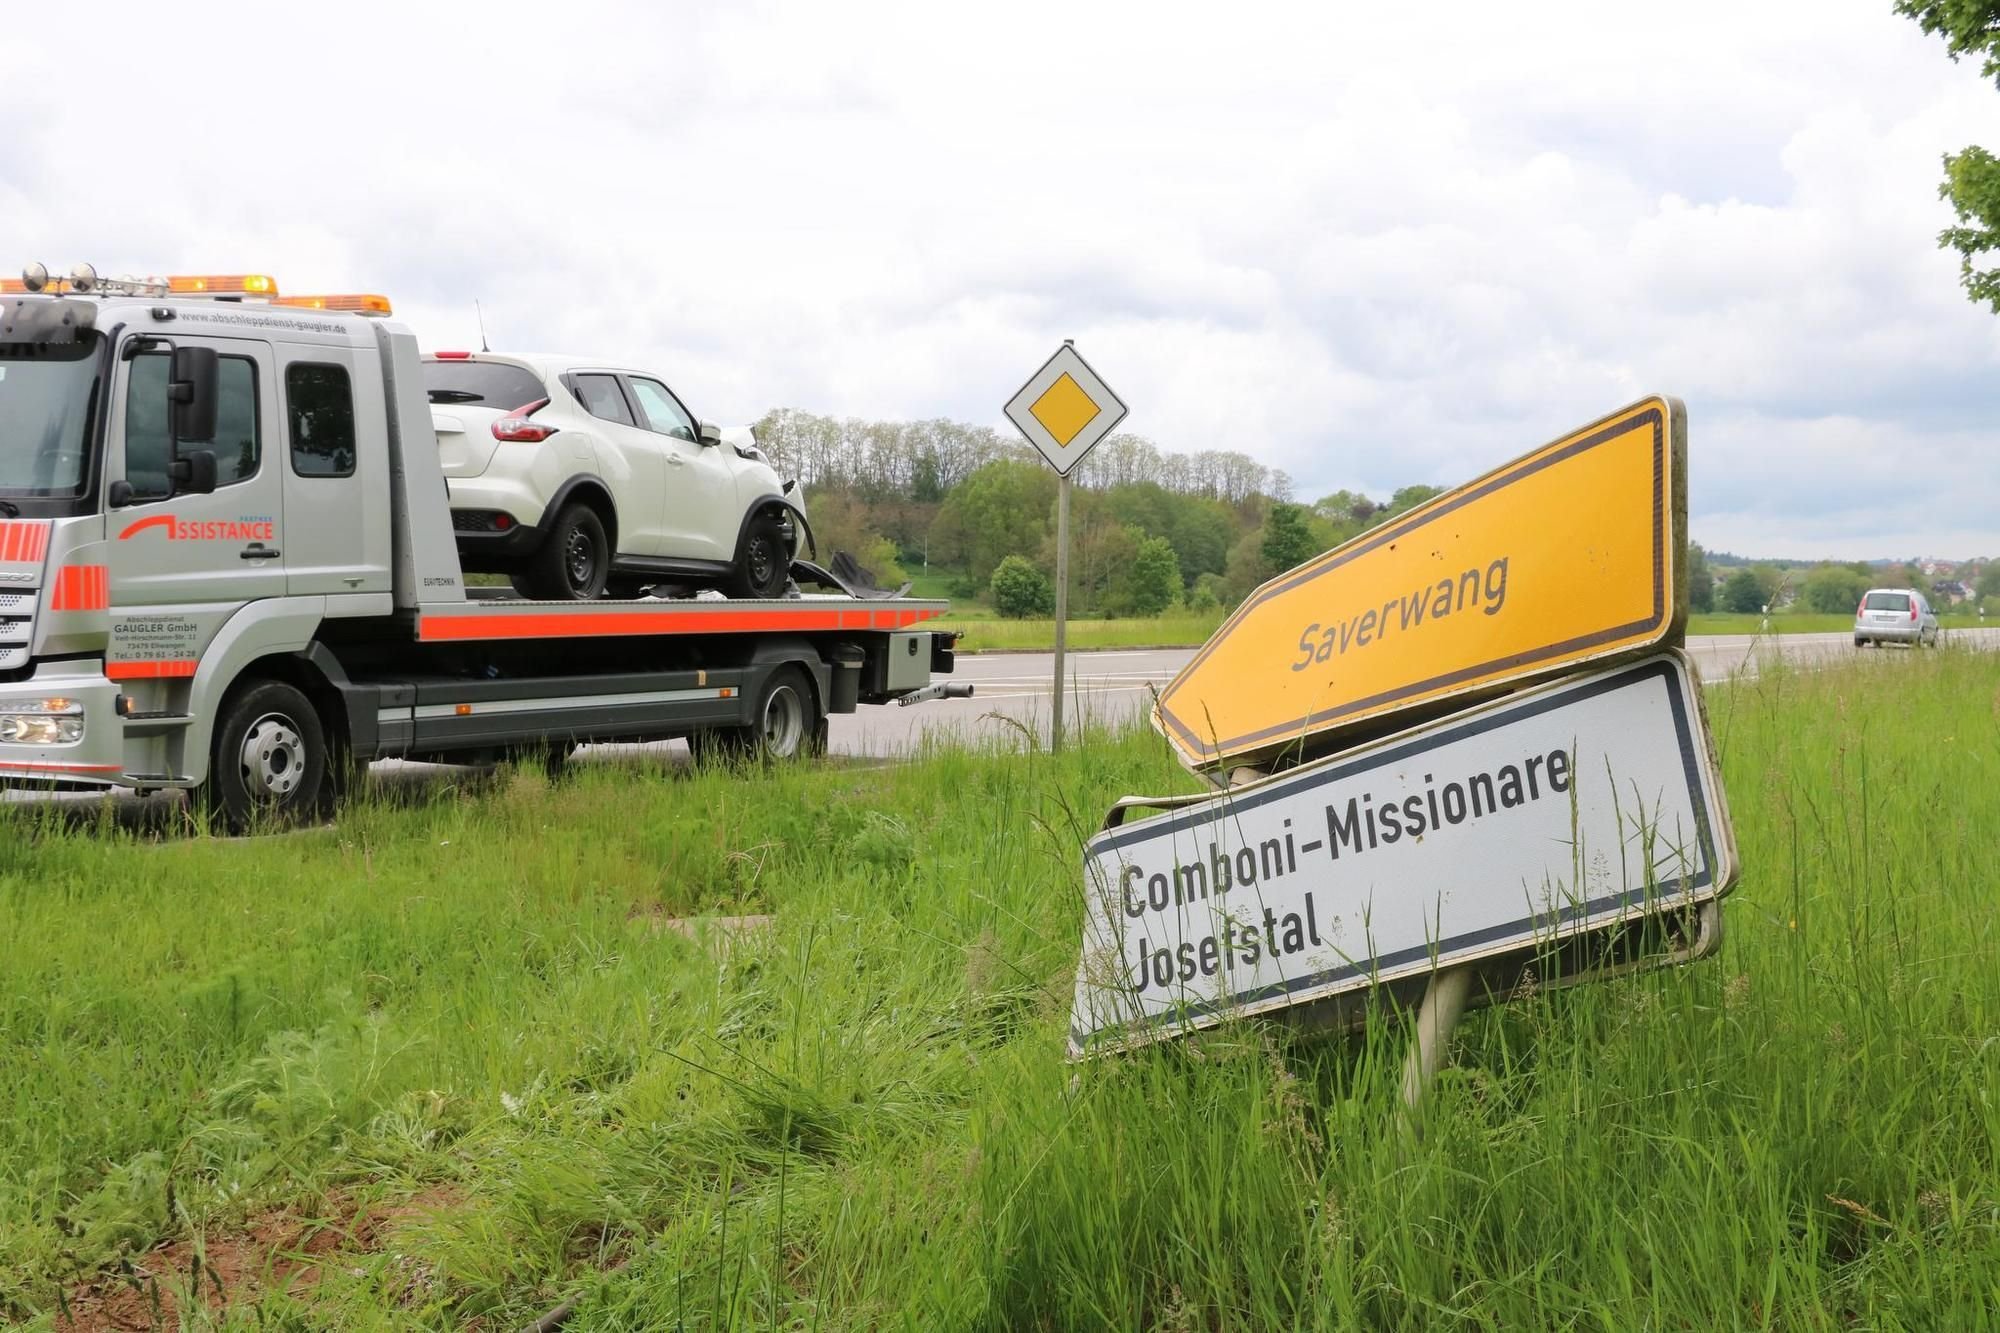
x,y
338,491
195,558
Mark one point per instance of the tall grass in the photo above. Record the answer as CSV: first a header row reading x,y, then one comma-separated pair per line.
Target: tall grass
x,y
859,1117
1179,630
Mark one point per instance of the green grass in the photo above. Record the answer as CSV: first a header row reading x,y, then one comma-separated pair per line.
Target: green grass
x,y
985,633
860,1118
1801,622
1183,630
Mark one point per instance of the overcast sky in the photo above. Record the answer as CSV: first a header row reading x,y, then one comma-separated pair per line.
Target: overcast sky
x,y
1365,248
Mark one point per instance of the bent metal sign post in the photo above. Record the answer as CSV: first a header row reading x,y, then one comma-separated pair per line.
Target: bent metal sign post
x,y
1566,556
1560,811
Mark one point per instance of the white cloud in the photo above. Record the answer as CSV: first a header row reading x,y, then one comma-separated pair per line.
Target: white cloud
x,y
1369,248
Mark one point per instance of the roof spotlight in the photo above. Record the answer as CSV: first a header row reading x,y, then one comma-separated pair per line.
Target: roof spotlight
x,y
82,278
35,277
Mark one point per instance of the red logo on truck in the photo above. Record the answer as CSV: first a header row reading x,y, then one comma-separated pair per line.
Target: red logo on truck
x,y
206,530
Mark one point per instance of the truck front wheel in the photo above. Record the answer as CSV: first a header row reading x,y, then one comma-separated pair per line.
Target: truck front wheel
x,y
270,765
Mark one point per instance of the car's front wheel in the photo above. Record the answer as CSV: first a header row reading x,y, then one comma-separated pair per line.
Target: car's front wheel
x,y
764,561
574,560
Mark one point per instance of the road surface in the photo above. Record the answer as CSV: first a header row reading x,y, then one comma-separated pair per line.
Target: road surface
x,y
1011,701
1110,686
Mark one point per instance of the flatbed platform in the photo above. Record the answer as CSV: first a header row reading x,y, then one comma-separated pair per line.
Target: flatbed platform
x,y
484,619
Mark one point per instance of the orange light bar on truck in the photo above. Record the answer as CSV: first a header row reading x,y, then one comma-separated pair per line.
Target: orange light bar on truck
x,y
358,303
224,284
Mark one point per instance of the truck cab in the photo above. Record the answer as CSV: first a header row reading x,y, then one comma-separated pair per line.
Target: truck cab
x,y
206,489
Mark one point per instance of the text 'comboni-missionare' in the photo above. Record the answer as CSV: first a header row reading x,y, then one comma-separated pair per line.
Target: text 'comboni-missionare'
x,y
1354,826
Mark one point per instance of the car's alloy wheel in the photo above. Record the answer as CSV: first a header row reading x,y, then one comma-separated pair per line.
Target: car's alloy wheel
x,y
763,564
579,560
574,561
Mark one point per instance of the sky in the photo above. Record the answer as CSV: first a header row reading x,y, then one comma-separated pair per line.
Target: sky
x,y
1370,245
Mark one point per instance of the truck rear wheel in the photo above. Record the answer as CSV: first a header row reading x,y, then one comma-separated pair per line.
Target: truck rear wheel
x,y
270,764
786,725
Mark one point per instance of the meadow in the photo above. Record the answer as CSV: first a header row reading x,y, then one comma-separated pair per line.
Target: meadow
x,y
985,632
694,1049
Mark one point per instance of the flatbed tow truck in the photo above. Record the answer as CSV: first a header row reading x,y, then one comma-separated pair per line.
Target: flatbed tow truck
x,y
227,566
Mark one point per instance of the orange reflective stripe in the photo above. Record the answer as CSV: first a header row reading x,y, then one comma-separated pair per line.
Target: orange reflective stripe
x,y
572,624
23,541
82,588
149,670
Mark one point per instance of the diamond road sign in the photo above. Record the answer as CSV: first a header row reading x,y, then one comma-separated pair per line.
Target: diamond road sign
x,y
1065,409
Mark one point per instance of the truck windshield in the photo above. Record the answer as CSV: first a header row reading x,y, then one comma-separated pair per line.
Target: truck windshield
x,y
46,397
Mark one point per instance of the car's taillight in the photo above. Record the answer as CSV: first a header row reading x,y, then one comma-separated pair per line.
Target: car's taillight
x,y
1913,610
515,428
452,356
1863,607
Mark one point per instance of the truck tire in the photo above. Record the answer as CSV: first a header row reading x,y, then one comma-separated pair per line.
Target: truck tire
x,y
787,726
574,559
270,766
763,564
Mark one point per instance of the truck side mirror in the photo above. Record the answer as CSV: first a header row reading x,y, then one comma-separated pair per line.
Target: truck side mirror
x,y
708,433
191,395
193,472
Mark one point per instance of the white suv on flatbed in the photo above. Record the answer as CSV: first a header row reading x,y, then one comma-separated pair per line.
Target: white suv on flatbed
x,y
579,478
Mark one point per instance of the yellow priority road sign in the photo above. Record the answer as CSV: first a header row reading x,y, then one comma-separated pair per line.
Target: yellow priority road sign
x,y
1065,409
1570,554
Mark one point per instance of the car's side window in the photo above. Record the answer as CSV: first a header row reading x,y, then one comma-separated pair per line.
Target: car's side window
x,y
663,413
602,398
149,446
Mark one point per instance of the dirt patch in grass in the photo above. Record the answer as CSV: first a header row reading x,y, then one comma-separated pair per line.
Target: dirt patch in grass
x,y
282,1249
654,917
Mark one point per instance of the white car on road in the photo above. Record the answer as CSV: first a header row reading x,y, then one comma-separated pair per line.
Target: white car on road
x,y
1894,615
579,478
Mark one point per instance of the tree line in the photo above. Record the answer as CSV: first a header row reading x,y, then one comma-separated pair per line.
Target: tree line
x,y
1150,530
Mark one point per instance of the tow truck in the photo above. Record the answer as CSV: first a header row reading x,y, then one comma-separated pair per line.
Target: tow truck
x,y
227,566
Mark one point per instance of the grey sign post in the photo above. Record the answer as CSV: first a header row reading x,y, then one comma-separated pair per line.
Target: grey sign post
x,y
1064,410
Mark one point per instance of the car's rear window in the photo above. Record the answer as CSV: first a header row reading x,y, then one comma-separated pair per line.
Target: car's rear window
x,y
1888,601
491,384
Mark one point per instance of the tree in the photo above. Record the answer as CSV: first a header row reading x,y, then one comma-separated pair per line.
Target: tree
x,y
1912,576
1000,510
1288,539
1988,583
1345,508
1155,577
1405,499
1701,579
1020,590
1743,593
1972,175
1832,589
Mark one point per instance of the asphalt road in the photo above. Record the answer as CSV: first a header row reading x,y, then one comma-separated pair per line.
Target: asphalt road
x,y
1108,686
1012,693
